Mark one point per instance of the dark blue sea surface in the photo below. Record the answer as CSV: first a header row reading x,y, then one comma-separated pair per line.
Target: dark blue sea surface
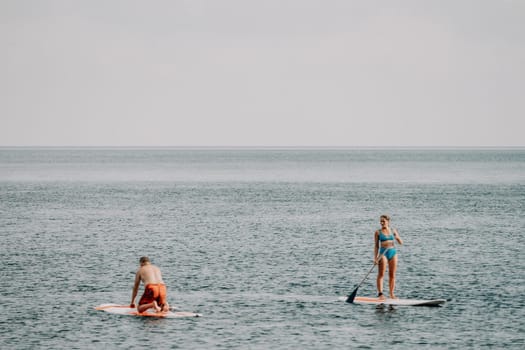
x,y
263,243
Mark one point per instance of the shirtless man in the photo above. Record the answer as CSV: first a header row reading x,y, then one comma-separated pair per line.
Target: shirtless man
x,y
154,288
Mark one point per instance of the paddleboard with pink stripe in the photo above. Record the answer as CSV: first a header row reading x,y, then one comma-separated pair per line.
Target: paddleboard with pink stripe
x,y
397,302
128,311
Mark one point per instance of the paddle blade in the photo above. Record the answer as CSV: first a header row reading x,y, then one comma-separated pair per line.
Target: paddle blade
x,y
351,297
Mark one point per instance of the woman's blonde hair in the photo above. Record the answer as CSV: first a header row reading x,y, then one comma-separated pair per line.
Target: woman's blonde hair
x,y
384,216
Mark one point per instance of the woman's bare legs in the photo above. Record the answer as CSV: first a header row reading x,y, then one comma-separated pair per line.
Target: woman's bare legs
x,y
392,267
381,269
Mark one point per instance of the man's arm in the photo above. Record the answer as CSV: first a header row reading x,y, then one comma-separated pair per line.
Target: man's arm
x,y
135,289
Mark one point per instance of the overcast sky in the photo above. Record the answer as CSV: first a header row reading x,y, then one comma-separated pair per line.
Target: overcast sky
x,y
262,73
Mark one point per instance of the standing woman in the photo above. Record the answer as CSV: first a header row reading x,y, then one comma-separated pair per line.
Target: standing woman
x,y
385,253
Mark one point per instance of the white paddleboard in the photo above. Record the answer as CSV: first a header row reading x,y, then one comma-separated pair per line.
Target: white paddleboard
x,y
131,311
397,302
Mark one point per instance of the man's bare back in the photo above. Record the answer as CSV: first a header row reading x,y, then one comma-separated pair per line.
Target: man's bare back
x,y
149,274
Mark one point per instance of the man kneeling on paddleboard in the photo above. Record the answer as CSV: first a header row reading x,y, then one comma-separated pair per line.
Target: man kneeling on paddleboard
x,y
154,288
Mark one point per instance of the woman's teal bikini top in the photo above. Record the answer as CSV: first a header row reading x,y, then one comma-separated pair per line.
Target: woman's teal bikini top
x,y
383,237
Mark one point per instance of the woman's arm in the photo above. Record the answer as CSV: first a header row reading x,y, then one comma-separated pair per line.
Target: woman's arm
x,y
376,246
397,237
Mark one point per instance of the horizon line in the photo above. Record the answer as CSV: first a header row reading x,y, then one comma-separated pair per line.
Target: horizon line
x,y
280,147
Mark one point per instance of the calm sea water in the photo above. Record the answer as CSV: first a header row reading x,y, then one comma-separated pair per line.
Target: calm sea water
x,y
262,243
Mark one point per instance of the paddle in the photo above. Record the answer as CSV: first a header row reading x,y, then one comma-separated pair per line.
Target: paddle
x,y
351,297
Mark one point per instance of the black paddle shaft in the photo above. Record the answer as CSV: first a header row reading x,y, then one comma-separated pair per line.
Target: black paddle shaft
x,y
352,295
